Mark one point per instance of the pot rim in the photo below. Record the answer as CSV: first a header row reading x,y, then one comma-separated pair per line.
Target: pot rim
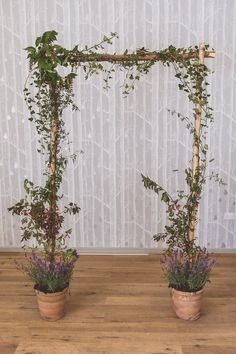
x,y
38,292
191,293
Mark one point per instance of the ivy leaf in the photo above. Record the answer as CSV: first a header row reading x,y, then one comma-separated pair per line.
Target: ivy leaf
x,y
165,198
30,49
158,237
49,36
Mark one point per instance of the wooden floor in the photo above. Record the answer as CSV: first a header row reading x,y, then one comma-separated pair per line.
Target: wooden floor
x,y
118,304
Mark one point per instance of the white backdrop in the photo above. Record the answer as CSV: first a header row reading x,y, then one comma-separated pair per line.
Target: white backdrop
x,y
121,137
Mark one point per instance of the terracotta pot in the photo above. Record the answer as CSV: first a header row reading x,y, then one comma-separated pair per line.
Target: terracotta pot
x,y
187,305
52,305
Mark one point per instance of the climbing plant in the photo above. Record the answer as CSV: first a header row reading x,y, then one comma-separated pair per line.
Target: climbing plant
x,y
182,208
48,92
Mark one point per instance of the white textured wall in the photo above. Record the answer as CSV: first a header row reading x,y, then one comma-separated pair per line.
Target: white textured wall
x,y
121,137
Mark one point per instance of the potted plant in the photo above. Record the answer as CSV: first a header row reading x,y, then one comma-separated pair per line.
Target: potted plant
x,y
187,278
187,265
51,278
48,94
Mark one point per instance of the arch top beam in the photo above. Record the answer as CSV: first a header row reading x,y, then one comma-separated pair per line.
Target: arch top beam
x,y
140,56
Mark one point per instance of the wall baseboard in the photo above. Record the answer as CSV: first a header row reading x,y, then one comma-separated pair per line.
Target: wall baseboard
x,y
120,251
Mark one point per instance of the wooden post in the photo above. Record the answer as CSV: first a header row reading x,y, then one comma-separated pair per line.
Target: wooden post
x,y
196,146
52,171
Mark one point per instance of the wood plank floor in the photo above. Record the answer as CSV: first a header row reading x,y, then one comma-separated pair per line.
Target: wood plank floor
x,y
118,304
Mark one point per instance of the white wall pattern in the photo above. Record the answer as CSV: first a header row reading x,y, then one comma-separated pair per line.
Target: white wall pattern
x,y
121,137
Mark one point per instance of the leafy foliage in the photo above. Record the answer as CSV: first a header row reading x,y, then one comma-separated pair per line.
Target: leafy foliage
x,y
47,94
182,208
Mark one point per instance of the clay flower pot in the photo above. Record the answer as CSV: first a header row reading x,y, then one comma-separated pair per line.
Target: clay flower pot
x,y
187,305
52,305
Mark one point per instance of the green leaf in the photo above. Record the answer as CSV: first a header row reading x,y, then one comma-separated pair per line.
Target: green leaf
x,y
49,36
165,198
30,49
38,41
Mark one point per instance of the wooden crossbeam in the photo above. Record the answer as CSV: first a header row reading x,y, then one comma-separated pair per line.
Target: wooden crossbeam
x,y
140,56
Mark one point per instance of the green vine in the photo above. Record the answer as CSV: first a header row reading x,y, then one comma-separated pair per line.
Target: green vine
x,y
183,206
47,94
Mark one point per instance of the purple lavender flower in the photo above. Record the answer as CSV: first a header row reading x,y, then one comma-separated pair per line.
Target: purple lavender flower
x,y
75,254
50,276
186,272
163,260
57,268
